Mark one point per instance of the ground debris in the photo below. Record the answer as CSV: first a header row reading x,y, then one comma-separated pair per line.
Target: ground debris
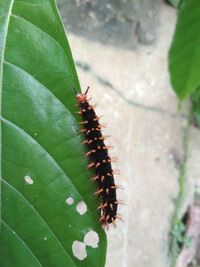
x,y
190,253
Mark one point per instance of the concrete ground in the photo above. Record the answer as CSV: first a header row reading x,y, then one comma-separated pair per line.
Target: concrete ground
x,y
133,92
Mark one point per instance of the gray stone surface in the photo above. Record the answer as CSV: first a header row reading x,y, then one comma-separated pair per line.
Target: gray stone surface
x,y
133,91
118,22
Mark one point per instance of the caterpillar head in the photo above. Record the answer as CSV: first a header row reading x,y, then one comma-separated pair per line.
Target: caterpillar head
x,y
82,97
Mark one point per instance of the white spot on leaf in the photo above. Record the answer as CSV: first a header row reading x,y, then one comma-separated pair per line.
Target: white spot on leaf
x,y
45,238
70,201
79,250
81,207
28,179
91,239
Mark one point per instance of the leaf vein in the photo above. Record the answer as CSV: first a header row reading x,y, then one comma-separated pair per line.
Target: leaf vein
x,y
22,241
51,37
50,157
42,219
44,86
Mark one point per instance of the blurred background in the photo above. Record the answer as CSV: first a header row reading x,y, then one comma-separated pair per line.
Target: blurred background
x,y
120,48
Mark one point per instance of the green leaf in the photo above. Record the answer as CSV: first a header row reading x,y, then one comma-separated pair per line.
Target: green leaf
x,y
174,3
184,54
42,162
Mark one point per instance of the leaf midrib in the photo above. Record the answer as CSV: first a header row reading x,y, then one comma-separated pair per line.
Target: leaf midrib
x,y
1,86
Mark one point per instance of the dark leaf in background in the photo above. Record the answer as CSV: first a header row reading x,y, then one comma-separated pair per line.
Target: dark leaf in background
x,y
175,3
184,55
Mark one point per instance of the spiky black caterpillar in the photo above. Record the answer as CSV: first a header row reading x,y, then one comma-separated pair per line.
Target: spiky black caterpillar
x,y
99,160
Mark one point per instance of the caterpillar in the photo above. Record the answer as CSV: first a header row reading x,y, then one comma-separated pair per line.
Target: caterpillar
x,y
99,160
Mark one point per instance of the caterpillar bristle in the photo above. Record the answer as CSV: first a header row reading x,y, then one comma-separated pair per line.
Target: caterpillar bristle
x,y
107,147
117,187
120,202
102,206
94,178
92,107
91,165
119,217
101,219
97,118
102,178
107,190
113,159
90,152
82,122
99,191
97,165
85,142
100,126
116,172
106,136
113,222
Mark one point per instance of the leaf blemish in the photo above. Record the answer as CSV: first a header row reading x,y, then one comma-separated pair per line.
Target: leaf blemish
x,y
91,239
79,250
28,179
81,207
73,129
70,201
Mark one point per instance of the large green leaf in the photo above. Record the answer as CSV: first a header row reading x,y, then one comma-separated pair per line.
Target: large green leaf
x,y
42,157
184,55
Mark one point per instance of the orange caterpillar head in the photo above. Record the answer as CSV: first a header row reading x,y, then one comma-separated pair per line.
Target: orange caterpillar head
x,y
82,97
